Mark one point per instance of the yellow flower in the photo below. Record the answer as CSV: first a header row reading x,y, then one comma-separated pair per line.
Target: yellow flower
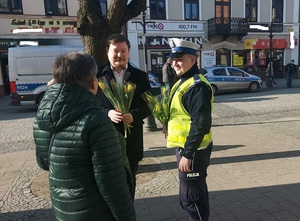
x,y
130,88
159,105
101,84
119,96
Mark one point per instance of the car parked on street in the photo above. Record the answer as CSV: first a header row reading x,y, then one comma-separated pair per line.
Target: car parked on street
x,y
225,79
154,83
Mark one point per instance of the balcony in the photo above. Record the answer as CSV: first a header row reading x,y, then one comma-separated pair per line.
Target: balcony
x,y
227,26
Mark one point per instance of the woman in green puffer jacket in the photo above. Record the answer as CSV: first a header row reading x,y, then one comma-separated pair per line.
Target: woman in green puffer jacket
x,y
78,144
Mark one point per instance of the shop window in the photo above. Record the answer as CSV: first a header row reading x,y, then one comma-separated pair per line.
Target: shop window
x,y
238,58
223,57
191,9
277,11
11,7
157,9
56,7
251,10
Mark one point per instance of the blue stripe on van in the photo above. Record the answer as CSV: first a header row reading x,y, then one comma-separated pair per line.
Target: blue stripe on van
x,y
29,86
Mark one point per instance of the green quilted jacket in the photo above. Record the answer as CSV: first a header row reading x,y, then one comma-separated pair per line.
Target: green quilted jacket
x,y
87,169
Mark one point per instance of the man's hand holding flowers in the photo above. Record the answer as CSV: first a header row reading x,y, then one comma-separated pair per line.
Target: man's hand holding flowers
x,y
120,97
115,116
127,119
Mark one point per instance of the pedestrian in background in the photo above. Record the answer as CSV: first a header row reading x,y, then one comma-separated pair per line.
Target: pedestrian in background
x,y
80,147
119,68
290,70
169,76
189,128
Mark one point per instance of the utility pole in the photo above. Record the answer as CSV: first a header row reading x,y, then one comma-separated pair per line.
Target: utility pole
x,y
150,124
269,82
144,23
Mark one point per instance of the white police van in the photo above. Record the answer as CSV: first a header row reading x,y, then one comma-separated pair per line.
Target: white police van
x,y
30,69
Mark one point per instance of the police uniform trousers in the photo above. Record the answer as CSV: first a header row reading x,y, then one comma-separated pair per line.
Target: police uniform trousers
x,y
193,193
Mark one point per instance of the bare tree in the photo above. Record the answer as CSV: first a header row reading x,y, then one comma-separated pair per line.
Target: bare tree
x,y
94,28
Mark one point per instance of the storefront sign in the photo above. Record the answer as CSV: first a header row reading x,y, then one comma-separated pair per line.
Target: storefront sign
x,y
47,25
292,39
208,58
264,43
172,26
265,27
160,42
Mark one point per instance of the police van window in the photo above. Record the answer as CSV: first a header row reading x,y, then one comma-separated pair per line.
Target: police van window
x,y
219,72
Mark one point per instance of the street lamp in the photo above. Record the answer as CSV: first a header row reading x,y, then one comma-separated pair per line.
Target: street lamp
x,y
144,23
150,124
269,82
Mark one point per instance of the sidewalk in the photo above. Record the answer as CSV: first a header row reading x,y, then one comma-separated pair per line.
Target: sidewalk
x,y
248,179
253,176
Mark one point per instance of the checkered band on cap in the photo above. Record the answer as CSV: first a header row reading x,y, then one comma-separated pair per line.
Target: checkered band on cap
x,y
180,47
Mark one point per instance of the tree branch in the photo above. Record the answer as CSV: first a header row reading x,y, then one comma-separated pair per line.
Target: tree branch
x,y
134,9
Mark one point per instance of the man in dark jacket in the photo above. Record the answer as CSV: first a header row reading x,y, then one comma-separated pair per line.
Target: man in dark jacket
x,y
290,70
189,128
80,147
169,76
118,68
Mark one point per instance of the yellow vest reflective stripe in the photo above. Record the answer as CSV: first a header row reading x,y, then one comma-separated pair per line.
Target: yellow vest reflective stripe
x,y
180,120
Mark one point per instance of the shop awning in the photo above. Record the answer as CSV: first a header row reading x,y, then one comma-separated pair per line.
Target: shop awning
x,y
264,43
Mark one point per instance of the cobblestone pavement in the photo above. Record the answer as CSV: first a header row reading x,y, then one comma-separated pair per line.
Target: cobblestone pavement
x,y
253,173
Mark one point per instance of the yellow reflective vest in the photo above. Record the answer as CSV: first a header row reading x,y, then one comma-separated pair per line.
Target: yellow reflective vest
x,y
179,119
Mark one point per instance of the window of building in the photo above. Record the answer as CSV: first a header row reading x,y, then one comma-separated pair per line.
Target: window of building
x,y
277,11
103,7
56,7
11,6
157,9
191,9
251,10
222,11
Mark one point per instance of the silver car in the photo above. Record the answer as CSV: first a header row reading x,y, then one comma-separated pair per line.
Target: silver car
x,y
224,78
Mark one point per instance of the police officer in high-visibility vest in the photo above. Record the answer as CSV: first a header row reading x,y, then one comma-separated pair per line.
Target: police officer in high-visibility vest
x,y
189,128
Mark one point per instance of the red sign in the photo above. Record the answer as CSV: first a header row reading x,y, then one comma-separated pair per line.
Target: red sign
x,y
265,43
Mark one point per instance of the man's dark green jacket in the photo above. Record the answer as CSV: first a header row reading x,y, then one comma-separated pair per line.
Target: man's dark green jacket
x,y
87,172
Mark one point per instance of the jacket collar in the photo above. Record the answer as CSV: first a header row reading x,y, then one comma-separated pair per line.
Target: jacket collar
x,y
107,70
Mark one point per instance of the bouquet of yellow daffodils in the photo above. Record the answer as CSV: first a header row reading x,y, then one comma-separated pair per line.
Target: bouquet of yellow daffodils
x,y
159,105
120,96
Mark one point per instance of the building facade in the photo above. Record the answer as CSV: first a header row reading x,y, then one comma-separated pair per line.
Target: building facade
x,y
34,22
230,32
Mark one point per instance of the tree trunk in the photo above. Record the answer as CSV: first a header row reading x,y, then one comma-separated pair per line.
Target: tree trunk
x,y
94,28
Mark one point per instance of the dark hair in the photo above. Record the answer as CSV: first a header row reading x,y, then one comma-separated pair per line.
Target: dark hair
x,y
116,38
75,68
